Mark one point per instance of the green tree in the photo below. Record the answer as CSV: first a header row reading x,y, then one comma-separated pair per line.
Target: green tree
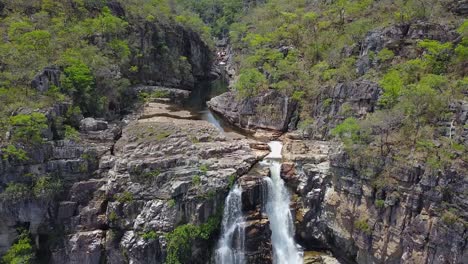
x,y
392,85
28,129
20,252
250,82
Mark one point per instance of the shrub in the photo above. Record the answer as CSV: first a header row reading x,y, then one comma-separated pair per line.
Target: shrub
x,y
438,54
196,180
385,55
380,203
15,192
392,85
250,82
179,241
46,187
28,128
348,130
20,252
11,151
203,168
125,197
450,217
71,133
363,226
232,180
113,217
171,203
150,235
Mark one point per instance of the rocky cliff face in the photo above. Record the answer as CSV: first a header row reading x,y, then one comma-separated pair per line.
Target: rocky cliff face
x,y
339,208
161,173
171,56
271,110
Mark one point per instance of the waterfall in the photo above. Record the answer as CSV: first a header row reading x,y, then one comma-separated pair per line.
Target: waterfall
x,y
231,244
285,249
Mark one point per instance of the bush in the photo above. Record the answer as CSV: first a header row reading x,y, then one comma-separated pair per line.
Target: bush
x,y
46,187
171,203
450,217
250,83
20,252
28,128
392,85
196,180
125,197
179,241
380,203
113,217
232,180
15,192
11,151
363,226
150,235
71,133
385,55
348,130
203,168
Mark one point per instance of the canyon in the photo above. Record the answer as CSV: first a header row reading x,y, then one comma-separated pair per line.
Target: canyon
x,y
195,173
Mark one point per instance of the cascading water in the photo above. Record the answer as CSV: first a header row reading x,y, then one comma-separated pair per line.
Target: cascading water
x,y
231,244
285,249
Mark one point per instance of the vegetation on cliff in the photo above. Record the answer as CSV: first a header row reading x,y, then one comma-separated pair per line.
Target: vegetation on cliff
x,y
305,49
89,42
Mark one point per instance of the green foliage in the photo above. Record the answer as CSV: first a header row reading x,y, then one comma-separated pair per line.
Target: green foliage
x,y
21,252
15,192
46,187
113,217
392,84
449,217
385,55
437,54
150,235
13,152
171,203
363,226
203,168
71,133
79,82
218,14
179,241
28,129
196,180
150,175
250,82
232,180
162,135
348,131
380,203
125,197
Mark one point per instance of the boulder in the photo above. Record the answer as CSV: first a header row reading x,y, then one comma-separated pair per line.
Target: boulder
x,y
91,124
270,110
49,77
459,7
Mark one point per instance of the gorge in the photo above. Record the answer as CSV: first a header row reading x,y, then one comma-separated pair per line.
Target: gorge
x,y
233,131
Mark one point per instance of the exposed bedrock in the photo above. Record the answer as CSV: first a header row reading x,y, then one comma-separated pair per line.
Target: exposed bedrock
x,y
339,209
271,110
